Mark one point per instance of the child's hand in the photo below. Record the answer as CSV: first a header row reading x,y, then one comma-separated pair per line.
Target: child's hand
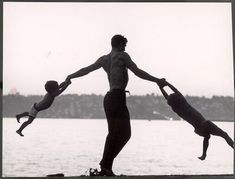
x,y
65,83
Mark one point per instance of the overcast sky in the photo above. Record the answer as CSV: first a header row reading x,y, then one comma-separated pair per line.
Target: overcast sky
x,y
189,44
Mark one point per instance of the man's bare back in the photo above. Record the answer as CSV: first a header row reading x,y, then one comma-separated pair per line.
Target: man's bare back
x,y
114,64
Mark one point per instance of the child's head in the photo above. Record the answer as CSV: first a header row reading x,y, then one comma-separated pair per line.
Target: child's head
x,y
51,86
176,100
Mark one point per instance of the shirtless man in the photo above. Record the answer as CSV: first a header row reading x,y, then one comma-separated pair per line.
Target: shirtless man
x,y
116,65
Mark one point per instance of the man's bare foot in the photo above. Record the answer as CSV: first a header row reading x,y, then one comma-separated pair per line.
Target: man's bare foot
x,y
202,157
18,118
107,172
103,172
19,132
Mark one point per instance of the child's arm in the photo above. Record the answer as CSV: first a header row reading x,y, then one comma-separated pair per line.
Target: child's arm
x,y
64,84
164,92
173,88
205,147
62,87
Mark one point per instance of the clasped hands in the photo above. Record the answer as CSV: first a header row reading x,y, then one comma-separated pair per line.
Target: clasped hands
x,y
162,82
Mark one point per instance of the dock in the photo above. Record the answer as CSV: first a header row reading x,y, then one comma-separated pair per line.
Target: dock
x,y
135,177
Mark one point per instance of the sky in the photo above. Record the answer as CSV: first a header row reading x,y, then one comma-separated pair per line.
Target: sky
x,y
188,44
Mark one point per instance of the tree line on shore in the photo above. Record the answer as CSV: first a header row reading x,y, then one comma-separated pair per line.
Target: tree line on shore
x,y
149,107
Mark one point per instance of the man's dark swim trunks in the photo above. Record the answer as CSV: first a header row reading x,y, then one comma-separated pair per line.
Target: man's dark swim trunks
x,y
119,128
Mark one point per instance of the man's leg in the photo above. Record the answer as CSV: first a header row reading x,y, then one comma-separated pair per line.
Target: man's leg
x,y
122,132
119,131
119,134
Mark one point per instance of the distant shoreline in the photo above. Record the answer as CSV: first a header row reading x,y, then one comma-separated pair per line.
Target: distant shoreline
x,y
149,107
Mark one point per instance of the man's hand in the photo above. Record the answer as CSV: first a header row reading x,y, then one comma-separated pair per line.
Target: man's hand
x,y
68,79
161,82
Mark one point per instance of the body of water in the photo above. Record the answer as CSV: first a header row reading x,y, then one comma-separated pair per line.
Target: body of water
x,y
72,146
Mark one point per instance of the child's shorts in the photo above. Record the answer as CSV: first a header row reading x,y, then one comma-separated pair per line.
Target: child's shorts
x,y
33,112
207,127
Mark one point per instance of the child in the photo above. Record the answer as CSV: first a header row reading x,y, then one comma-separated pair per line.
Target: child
x,y
202,126
53,90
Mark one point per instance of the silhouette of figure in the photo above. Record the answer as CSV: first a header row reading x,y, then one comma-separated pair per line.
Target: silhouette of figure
x,y
116,65
53,90
202,126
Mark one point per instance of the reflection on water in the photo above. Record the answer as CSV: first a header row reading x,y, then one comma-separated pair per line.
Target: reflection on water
x,y
72,146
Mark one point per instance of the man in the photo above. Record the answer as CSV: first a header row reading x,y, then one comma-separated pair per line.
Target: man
x,y
116,65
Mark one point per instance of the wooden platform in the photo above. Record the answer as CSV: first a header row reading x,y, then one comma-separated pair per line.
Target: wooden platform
x,y
137,177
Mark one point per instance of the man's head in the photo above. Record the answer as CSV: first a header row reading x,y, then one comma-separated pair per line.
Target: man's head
x,y
119,42
51,86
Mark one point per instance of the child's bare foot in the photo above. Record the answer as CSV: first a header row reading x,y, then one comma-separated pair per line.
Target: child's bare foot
x,y
19,132
202,157
18,118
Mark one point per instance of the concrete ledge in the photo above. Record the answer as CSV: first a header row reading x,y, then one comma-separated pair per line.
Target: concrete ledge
x,y
137,177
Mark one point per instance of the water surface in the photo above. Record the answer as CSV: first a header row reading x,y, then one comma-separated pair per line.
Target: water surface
x,y
72,146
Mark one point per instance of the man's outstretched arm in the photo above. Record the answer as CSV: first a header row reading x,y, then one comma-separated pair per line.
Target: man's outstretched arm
x,y
86,70
142,74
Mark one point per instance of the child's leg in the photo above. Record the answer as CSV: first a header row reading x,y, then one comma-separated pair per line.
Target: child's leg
x,y
215,130
205,147
228,139
26,123
18,116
